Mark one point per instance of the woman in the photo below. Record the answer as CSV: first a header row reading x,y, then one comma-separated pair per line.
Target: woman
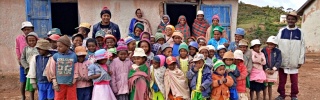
x,y
183,26
215,23
200,25
165,20
139,18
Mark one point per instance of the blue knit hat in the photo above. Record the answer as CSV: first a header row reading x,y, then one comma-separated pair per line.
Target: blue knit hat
x,y
193,44
156,59
128,40
240,31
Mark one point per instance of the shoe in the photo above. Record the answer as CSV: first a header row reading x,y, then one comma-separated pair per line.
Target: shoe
x,y
294,98
280,98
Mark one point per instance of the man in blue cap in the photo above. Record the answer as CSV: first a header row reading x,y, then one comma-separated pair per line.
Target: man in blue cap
x,y
237,37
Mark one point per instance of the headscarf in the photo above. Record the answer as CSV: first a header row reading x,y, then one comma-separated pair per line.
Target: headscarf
x,y
199,28
184,29
146,23
158,74
140,26
163,25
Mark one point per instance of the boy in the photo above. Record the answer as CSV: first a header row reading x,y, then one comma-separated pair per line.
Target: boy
x,y
159,40
37,65
231,70
84,29
221,82
77,40
166,50
177,39
205,51
201,41
237,36
26,28
184,58
53,42
193,48
201,78
217,38
110,41
247,56
99,38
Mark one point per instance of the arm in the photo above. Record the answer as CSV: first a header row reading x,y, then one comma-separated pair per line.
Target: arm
x,y
18,50
94,72
216,83
229,82
250,64
191,73
206,83
23,60
113,78
243,73
236,72
264,60
118,33
32,68
266,65
94,30
302,51
278,60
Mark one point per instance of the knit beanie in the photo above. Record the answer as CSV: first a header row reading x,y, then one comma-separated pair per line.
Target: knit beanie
x,y
65,40
121,45
145,33
164,46
128,39
178,33
183,46
162,59
158,36
228,55
139,25
218,64
105,10
110,36
215,17
32,34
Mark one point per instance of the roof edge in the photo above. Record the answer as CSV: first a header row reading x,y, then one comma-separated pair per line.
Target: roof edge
x,y
304,6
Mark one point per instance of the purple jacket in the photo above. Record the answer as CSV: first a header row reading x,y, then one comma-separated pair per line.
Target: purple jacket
x,y
206,80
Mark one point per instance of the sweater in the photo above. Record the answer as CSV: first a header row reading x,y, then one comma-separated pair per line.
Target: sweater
x,y
119,78
37,66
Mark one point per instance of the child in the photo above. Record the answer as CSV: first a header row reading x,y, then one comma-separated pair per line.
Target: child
x,y
190,39
145,35
84,30
169,32
56,31
113,51
21,43
98,72
205,51
273,62
193,48
157,78
201,78
201,41
175,81
152,40
60,71
37,65
53,42
131,44
184,58
212,52
119,77
237,37
217,38
84,84
145,45
166,50
139,76
27,53
138,29
77,40
221,82
177,39
159,38
241,80
231,70
257,75
247,56
220,52
91,46
99,38
110,41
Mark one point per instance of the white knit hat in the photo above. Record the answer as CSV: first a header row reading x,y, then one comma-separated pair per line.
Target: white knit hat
x,y
272,39
139,52
238,55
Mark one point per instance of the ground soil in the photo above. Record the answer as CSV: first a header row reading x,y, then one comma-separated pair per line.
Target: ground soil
x,y
308,82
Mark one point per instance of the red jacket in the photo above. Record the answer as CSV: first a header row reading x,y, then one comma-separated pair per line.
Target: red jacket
x,y
241,80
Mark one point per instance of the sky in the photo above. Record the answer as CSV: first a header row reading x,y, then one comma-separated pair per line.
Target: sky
x,y
294,4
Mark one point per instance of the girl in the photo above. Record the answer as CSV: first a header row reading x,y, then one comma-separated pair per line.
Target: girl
x,y
201,79
201,41
200,25
157,78
98,72
183,26
215,23
99,38
175,81
231,70
91,46
84,84
193,48
273,62
26,56
217,38
205,51
237,37
77,40
159,40
139,76
177,39
146,46
120,67
138,29
241,80
221,82
139,18
169,32
145,35
190,39
184,58
131,44
165,20
110,41
257,76
220,52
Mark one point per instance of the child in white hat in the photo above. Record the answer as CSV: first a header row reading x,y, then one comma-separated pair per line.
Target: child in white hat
x,y
241,80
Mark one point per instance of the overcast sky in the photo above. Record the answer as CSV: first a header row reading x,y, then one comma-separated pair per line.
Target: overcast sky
x,y
294,4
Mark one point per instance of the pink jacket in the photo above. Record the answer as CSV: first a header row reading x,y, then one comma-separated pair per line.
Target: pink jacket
x,y
119,78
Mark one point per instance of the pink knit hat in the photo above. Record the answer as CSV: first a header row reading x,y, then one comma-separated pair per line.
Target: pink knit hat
x,y
162,59
121,45
215,17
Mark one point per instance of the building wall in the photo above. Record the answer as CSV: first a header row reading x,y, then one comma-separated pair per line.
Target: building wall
x,y
311,27
12,14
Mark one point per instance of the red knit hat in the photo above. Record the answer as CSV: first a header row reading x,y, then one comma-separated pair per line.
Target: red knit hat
x,y
215,17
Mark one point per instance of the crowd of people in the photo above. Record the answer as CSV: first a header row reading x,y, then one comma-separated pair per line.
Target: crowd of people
x,y
171,64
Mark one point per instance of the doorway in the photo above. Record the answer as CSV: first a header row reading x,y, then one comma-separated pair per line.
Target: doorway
x,y
175,10
65,17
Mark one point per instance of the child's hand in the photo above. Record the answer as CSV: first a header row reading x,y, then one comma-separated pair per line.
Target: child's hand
x,y
202,88
56,87
271,72
110,73
34,85
224,80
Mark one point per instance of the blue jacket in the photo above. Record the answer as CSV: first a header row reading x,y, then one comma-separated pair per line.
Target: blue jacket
x,y
112,26
206,80
276,58
215,43
41,62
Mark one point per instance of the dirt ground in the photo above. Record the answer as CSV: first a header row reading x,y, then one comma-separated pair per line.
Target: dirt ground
x,y
308,82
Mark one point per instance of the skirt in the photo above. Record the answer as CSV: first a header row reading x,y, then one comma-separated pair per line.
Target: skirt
x,y
257,75
256,86
102,92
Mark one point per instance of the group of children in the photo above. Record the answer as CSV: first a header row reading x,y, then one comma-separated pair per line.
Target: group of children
x,y
158,67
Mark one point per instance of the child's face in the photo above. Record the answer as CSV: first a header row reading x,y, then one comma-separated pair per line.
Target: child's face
x,y
172,66
53,44
132,45
169,31
62,48
238,37
183,53
221,52
165,19
137,31
205,53
291,20
243,48
211,53
228,61
217,35
32,41
42,52
91,46
192,51
221,70
199,63
122,55
156,65
27,30
139,60
215,22
152,40
77,41
81,58
145,46
102,61
237,61
182,21
160,41
256,48
167,52
99,41
189,40
82,31
271,45
110,43
177,39
202,43
145,36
